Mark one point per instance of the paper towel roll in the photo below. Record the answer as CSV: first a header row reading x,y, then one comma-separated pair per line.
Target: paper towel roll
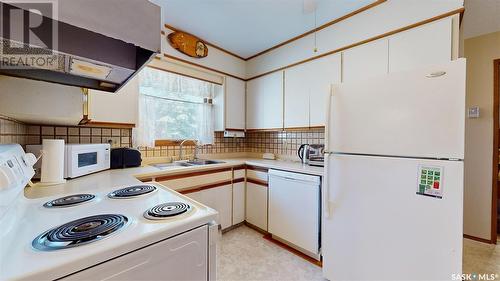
x,y
52,162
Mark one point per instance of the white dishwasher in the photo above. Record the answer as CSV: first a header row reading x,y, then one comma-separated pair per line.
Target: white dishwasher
x,y
294,209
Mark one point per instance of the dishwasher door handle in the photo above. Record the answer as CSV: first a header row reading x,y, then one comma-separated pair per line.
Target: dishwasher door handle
x,y
296,180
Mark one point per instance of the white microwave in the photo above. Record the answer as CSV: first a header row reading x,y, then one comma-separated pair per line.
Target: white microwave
x,y
84,159
79,159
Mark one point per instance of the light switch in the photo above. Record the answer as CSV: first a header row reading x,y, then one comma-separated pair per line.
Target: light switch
x,y
473,112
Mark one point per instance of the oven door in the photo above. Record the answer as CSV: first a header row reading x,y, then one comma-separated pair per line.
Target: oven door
x,y
83,160
183,257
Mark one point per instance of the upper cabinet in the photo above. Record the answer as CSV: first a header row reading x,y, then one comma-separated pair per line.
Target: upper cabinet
x,y
120,107
297,94
265,102
365,61
424,45
327,71
307,87
235,104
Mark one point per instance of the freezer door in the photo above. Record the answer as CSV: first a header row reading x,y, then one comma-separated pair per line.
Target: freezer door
x,y
401,114
379,228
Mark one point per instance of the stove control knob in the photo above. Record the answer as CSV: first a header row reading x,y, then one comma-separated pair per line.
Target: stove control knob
x,y
6,177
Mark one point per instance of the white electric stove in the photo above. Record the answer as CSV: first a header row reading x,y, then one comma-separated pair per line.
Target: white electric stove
x,y
139,232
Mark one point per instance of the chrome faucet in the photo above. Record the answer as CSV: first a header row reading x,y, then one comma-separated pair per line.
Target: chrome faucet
x,y
180,148
196,147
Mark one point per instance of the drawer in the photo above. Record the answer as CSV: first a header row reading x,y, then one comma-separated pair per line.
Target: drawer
x,y
238,174
257,175
194,180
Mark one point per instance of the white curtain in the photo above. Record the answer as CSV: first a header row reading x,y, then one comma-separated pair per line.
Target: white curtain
x,y
173,106
143,135
207,123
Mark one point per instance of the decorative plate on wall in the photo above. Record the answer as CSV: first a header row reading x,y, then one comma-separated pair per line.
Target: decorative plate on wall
x,y
187,44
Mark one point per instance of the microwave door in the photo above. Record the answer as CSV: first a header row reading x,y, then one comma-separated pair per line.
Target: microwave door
x,y
85,161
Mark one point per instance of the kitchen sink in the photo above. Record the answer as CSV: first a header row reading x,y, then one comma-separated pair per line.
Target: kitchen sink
x,y
181,164
202,162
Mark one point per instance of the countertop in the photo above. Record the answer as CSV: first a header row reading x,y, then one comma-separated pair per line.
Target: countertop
x,y
118,178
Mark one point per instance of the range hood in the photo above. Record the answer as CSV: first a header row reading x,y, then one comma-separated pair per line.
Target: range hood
x,y
83,57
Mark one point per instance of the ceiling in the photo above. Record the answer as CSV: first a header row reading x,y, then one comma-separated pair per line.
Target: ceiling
x,y
481,17
247,27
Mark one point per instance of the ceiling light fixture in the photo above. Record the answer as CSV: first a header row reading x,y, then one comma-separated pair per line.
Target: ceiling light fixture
x,y
310,6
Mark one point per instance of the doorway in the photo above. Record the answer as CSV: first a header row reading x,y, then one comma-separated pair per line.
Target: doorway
x,y
495,210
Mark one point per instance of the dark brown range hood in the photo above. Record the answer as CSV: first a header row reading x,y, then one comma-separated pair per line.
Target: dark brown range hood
x,y
76,56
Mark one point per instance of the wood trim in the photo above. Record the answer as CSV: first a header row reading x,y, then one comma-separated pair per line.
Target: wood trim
x,y
479,239
191,174
296,252
232,129
302,128
257,168
360,10
204,187
256,228
238,180
496,127
174,143
265,130
204,41
202,66
182,74
457,11
240,167
115,125
258,182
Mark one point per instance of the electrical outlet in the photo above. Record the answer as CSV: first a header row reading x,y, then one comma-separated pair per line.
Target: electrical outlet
x,y
473,112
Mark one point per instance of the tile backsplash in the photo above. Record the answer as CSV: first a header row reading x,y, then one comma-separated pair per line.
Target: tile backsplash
x,y
12,131
282,143
221,145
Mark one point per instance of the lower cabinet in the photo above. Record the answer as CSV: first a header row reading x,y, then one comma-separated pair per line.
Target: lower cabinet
x,y
256,205
238,202
218,198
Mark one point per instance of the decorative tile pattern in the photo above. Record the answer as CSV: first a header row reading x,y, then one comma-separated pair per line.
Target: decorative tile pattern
x,y
12,131
281,143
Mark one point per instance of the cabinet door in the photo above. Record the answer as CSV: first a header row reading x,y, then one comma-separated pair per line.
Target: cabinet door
x,y
120,107
426,45
323,73
365,61
238,202
265,102
256,207
219,199
297,86
196,196
222,197
235,104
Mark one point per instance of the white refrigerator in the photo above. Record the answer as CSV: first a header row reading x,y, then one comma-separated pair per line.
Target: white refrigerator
x,y
393,185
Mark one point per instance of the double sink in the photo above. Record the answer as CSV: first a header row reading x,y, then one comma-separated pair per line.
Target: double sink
x,y
180,164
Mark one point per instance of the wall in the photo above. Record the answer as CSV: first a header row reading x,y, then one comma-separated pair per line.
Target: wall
x,y
216,59
389,16
480,53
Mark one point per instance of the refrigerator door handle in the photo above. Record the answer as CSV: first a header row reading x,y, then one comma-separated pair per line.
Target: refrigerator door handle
x,y
325,192
327,120
325,189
